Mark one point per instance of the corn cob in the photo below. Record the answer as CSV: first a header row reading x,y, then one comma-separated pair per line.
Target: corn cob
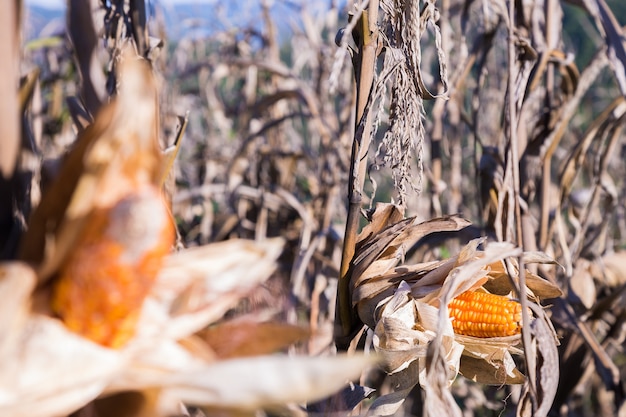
x,y
102,286
481,314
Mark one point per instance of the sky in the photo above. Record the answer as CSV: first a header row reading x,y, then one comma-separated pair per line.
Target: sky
x,y
56,4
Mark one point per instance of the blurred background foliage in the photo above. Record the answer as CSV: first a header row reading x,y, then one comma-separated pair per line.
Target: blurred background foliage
x,y
267,145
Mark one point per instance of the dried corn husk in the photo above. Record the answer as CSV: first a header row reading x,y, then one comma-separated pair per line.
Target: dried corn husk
x,y
406,305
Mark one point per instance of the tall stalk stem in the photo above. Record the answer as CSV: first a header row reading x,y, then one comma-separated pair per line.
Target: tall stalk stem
x,y
366,37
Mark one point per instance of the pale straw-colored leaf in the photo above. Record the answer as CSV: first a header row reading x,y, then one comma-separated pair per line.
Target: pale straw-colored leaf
x,y
9,106
438,399
17,281
374,261
489,373
57,371
251,383
403,383
544,346
197,286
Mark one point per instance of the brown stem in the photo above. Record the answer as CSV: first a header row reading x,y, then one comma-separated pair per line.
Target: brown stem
x,y
366,37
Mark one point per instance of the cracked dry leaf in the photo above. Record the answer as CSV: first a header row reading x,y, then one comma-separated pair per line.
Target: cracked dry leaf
x,y
380,248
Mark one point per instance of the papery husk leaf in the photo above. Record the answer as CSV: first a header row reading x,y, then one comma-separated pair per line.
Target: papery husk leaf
x,y
438,399
488,373
537,287
383,251
372,249
538,257
383,216
58,371
17,281
398,346
434,278
257,382
544,347
471,274
371,277
154,359
197,286
369,294
495,358
403,383
398,343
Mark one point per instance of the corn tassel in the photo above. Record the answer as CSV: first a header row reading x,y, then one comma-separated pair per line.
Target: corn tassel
x,y
480,314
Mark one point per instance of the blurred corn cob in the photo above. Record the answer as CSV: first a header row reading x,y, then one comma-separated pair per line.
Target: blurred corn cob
x,y
105,280
481,314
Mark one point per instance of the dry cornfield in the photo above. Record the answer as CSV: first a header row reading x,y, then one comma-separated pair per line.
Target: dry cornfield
x,y
383,207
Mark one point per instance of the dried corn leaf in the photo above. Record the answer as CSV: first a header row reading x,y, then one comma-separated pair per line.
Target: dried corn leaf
x,y
612,269
252,383
475,369
389,404
383,216
240,338
500,282
404,330
379,253
582,288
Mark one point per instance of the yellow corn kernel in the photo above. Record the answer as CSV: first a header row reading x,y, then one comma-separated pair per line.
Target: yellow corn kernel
x,y
480,314
102,286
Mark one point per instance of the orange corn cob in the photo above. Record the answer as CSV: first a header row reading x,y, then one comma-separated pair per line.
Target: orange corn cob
x,y
480,314
103,284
